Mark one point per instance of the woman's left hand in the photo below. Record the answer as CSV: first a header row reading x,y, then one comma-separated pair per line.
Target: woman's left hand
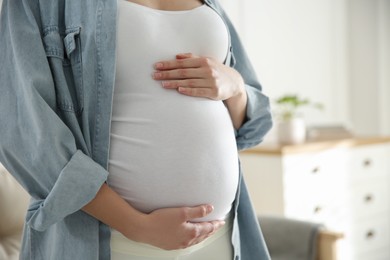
x,y
198,76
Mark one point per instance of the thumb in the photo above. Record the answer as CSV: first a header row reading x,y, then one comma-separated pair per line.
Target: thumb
x,y
199,211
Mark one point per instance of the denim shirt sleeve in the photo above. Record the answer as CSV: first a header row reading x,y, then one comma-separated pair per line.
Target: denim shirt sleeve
x,y
36,146
258,116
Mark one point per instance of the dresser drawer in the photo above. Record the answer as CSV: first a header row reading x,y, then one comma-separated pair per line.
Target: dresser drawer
x,y
369,162
315,175
333,214
321,165
377,254
371,234
370,199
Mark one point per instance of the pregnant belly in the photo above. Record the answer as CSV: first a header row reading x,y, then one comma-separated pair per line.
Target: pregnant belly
x,y
179,151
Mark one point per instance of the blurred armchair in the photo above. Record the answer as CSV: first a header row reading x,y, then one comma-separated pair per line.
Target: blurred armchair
x,y
289,239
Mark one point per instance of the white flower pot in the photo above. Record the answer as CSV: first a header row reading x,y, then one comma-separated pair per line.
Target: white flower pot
x,y
292,131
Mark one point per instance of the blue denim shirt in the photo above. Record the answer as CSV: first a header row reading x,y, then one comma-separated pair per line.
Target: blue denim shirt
x,y
56,82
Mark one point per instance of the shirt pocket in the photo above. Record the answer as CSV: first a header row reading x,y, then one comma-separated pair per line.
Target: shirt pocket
x,y
63,51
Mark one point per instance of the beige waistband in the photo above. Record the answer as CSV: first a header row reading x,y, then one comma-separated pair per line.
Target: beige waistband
x,y
121,244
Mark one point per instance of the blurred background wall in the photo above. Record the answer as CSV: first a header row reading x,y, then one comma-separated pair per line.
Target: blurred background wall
x,y
336,52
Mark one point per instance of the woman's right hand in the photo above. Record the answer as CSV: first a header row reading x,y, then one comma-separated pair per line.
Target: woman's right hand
x,y
170,228
167,228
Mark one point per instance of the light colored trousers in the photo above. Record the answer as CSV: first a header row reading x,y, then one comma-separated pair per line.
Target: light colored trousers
x,y
216,247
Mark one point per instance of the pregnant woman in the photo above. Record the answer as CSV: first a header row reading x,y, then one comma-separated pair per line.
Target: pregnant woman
x,y
123,119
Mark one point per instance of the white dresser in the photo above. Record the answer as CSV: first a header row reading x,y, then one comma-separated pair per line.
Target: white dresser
x,y
343,184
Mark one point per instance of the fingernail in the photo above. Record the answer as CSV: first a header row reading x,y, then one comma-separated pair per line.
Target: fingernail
x,y
165,84
158,65
157,75
209,208
184,54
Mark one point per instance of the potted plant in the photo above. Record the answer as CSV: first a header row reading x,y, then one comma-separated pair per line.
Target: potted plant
x,y
291,125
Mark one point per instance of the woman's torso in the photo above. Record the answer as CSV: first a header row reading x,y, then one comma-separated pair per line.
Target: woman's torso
x,y
167,149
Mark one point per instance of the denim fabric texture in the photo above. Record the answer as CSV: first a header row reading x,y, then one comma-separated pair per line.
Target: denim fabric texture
x,y
56,82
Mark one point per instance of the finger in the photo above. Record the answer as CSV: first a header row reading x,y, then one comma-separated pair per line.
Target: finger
x,y
185,55
187,73
198,212
190,62
198,92
200,232
217,224
206,229
192,83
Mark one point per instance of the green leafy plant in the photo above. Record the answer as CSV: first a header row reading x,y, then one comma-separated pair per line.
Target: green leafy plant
x,y
288,106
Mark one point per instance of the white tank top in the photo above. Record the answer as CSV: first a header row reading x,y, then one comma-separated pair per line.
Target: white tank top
x,y
167,149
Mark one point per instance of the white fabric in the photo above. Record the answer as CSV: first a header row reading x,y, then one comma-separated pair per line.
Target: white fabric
x,y
216,247
167,149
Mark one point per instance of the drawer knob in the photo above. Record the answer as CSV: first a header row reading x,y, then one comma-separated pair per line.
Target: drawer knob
x,y
317,209
368,198
370,234
315,170
367,163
